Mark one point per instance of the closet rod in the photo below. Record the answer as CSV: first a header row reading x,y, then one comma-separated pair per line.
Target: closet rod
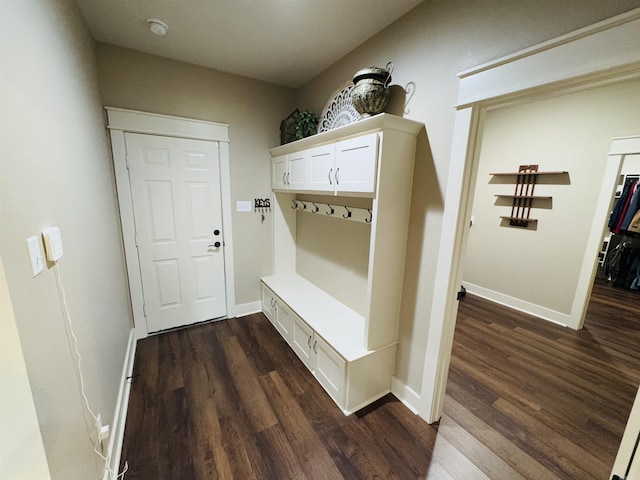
x,y
345,212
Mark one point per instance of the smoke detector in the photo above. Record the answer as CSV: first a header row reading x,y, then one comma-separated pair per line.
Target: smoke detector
x,y
158,27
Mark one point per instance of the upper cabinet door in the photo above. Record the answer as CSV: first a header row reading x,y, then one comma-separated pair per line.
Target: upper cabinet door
x,y
346,166
322,168
279,173
356,161
298,167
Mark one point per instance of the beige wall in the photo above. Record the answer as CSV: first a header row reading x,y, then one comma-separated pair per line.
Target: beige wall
x,y
339,265
253,109
429,46
570,133
631,164
22,455
55,170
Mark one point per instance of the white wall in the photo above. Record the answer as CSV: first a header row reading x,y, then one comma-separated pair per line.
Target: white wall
x,y
538,269
429,46
253,109
55,170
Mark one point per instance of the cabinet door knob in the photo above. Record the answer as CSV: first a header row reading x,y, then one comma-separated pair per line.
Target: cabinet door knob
x,y
330,182
337,171
309,341
315,347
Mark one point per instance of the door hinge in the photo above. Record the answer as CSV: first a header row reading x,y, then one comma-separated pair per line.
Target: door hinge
x,y
126,161
144,309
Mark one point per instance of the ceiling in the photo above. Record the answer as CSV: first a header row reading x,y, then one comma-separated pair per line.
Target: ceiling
x,y
285,42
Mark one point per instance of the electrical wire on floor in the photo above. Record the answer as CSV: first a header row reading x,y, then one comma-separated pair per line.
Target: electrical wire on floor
x,y
73,343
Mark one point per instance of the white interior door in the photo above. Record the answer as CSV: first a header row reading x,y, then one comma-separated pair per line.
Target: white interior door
x,y
175,188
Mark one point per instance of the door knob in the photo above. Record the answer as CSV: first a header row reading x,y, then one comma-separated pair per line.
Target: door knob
x,y
216,245
216,232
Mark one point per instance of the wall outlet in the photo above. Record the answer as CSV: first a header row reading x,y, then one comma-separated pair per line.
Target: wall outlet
x,y
102,431
35,255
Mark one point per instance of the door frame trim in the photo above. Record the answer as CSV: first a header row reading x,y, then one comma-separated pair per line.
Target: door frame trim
x,y
121,121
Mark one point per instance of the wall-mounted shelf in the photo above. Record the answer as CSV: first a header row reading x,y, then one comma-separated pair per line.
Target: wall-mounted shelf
x,y
513,174
516,221
530,197
523,197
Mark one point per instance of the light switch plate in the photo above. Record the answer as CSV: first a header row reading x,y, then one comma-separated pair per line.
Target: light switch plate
x,y
243,206
35,255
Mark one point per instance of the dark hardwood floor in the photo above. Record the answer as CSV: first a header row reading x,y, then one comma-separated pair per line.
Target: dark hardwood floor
x,y
526,399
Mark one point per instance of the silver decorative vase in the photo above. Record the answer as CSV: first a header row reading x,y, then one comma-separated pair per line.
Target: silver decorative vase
x,y
371,93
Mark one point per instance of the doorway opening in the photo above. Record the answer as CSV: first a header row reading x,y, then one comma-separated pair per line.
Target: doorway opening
x,y
538,269
605,53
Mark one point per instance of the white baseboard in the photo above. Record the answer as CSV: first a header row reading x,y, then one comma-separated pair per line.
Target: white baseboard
x,y
405,394
520,305
248,308
120,416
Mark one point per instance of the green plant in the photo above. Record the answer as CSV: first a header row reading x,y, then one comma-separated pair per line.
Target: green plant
x,y
305,123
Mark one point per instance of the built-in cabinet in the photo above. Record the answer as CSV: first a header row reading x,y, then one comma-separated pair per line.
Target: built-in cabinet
x,y
340,315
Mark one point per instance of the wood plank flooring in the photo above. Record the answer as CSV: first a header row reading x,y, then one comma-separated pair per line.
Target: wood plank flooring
x,y
526,399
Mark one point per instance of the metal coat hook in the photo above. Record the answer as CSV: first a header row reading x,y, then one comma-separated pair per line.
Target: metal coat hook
x,y
370,219
304,206
295,204
348,214
331,210
317,209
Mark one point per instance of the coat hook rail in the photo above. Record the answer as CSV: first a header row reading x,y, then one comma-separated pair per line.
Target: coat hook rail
x,y
356,214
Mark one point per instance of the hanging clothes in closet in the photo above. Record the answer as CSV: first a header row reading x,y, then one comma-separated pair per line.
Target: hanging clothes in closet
x,y
623,264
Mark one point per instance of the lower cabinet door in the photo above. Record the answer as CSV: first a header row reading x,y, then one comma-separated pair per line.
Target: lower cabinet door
x,y
302,341
269,304
284,321
330,370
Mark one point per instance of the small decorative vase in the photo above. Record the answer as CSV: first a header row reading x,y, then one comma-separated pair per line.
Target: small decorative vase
x,y
371,93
